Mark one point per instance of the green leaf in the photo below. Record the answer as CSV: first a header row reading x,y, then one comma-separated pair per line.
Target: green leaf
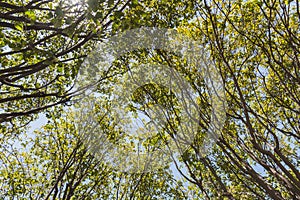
x,y
31,15
19,26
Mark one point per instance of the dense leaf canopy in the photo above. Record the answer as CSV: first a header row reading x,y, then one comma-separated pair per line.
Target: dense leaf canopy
x,y
255,46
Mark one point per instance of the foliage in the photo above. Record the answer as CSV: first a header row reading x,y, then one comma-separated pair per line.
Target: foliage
x,y
54,164
255,46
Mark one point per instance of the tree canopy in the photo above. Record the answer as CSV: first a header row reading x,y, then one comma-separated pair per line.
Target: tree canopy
x,y
254,45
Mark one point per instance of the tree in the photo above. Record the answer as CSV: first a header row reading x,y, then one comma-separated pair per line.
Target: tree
x,y
42,45
255,46
55,164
